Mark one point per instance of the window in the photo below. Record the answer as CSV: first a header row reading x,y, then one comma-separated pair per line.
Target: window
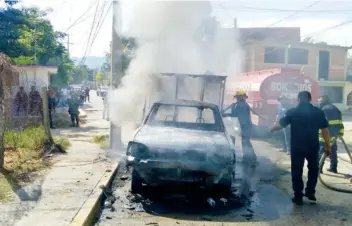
x,y
191,117
335,93
274,55
297,56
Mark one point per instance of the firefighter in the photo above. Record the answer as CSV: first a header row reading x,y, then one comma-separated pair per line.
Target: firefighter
x,y
336,129
241,110
305,121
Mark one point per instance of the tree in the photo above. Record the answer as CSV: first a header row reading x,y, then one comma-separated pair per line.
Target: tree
x,y
4,64
128,47
28,38
80,74
312,41
99,77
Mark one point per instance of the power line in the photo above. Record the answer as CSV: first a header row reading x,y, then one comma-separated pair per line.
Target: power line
x,y
90,33
285,18
99,26
312,34
78,20
328,11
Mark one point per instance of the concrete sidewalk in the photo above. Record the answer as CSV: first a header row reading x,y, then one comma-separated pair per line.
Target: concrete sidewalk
x,y
72,179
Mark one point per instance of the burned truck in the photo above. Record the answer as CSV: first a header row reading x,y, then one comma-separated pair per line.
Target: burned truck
x,y
182,138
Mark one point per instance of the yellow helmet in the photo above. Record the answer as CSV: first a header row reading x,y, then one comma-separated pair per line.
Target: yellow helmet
x,y
240,93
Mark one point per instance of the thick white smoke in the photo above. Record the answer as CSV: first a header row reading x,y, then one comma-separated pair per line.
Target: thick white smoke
x,y
173,37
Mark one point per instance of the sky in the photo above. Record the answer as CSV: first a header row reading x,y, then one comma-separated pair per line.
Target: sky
x,y
310,15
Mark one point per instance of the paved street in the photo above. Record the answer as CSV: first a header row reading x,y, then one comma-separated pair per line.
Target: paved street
x,y
269,189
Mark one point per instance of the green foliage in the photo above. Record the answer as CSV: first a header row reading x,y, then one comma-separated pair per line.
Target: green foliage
x,y
27,37
33,138
80,74
63,142
100,76
102,141
23,60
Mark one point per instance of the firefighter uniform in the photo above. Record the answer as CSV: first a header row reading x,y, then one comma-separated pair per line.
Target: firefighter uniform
x,y
241,110
336,129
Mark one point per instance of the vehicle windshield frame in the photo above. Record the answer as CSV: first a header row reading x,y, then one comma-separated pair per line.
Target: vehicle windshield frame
x,y
218,125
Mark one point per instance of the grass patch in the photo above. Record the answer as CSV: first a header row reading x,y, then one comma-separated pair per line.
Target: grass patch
x,y
30,138
62,142
24,156
102,141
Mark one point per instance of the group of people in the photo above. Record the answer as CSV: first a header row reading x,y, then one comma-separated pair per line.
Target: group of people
x,y
32,104
309,131
28,104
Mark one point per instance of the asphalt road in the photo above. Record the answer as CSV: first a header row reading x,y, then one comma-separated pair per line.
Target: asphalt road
x,y
267,188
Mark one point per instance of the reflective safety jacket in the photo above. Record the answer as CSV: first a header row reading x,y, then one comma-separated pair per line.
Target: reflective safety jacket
x,y
334,117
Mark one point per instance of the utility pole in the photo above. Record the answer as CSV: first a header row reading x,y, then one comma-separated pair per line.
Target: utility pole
x,y
116,73
68,44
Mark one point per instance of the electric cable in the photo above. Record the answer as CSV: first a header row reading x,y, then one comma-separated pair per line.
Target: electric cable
x,y
79,19
100,24
90,33
283,19
309,35
328,11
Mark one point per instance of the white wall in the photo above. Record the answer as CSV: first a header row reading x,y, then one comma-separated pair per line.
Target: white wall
x,y
39,78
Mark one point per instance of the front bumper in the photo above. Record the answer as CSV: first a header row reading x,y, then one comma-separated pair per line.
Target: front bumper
x,y
161,171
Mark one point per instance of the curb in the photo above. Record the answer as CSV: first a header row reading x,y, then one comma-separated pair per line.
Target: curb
x,y
91,207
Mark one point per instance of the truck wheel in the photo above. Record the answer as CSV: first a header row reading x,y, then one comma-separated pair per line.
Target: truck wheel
x,y
136,183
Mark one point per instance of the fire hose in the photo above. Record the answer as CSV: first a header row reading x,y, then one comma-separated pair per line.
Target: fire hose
x,y
322,160
321,164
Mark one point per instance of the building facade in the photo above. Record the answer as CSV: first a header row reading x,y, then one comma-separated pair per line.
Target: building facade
x,y
36,75
326,64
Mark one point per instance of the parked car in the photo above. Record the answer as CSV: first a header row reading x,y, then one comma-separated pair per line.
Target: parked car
x,y
182,142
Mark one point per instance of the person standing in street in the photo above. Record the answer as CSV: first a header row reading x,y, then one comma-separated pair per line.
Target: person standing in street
x,y
73,105
86,91
283,107
242,111
106,107
305,121
336,129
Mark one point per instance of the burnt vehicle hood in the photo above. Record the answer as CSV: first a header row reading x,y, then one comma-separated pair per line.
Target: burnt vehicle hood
x,y
182,139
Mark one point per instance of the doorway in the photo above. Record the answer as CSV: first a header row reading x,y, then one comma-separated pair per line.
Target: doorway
x,y
324,65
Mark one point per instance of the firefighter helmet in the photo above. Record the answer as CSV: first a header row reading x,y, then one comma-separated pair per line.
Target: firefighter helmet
x,y
240,93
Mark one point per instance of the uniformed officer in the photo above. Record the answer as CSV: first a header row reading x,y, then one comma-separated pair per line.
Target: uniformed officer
x,y
242,110
305,121
336,129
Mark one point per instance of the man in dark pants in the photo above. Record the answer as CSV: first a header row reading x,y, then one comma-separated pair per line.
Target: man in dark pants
x,y
242,111
283,107
305,121
336,129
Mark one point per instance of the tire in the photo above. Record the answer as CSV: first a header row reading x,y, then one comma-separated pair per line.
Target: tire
x,y
225,184
136,183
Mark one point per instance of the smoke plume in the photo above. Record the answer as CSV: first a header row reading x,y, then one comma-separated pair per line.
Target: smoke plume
x,y
173,37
